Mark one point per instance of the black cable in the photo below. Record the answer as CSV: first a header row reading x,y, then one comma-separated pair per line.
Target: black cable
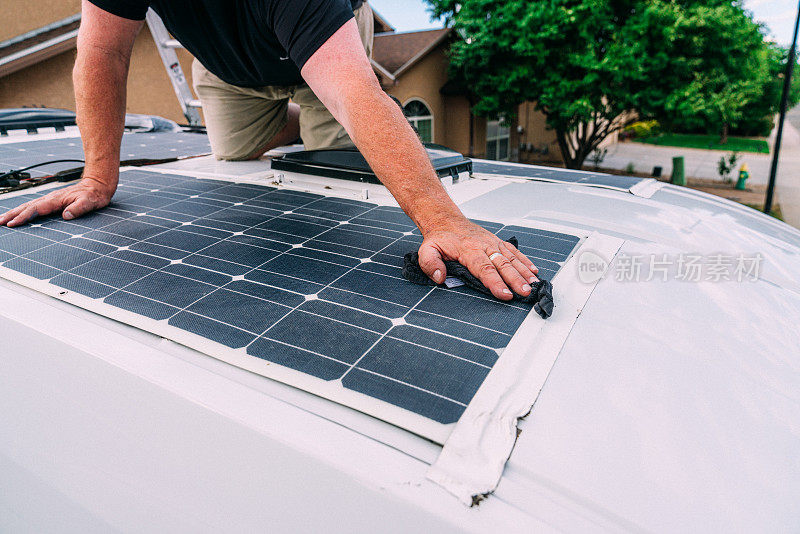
x,y
17,171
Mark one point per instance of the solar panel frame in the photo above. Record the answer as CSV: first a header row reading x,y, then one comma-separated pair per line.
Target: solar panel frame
x,y
108,250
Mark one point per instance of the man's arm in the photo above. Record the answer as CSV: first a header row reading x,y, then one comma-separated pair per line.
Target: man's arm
x,y
341,76
101,70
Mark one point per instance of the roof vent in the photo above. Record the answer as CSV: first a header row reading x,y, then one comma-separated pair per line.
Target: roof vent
x,y
349,164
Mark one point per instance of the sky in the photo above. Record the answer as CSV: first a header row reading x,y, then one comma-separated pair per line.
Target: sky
x,y
405,15
778,15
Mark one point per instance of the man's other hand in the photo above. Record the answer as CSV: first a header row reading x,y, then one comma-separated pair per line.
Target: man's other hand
x,y
87,195
498,264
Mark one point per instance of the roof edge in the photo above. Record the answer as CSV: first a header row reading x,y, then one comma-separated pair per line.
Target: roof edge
x,y
422,53
38,31
38,53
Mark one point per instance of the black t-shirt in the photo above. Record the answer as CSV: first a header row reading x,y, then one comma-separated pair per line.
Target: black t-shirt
x,y
249,43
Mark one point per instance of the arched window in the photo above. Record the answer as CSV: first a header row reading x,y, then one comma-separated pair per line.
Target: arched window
x,y
421,118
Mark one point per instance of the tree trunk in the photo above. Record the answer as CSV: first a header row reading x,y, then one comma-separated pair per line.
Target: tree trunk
x,y
571,161
723,139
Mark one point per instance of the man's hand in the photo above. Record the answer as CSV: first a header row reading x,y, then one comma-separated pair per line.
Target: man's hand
x,y
498,264
87,195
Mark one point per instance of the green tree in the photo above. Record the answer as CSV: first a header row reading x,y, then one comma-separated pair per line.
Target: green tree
x,y
718,63
588,63
759,115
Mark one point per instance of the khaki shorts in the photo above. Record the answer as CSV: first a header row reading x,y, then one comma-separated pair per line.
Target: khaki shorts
x,y
242,120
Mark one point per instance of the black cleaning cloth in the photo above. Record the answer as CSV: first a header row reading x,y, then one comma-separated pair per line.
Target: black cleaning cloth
x,y
541,292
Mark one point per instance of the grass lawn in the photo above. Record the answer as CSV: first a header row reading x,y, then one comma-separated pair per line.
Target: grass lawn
x,y
708,142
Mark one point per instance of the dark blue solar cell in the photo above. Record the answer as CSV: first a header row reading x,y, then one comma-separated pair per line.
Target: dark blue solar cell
x,y
144,201
189,207
269,293
160,251
162,286
260,242
242,219
92,246
239,310
360,240
303,229
53,236
187,241
95,220
111,272
141,305
154,262
480,311
214,330
19,243
61,256
340,341
353,316
343,250
329,257
195,273
32,268
297,359
218,265
81,285
208,232
289,283
134,229
338,207
249,255
413,399
395,290
443,343
109,239
420,367
362,302
304,268
459,329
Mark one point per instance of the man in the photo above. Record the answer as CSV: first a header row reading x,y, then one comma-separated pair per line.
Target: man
x,y
261,52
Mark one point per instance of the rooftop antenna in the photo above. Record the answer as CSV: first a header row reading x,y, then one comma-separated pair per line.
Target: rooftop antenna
x,y
787,83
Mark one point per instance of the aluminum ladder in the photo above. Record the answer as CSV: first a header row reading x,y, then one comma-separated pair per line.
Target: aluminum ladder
x,y
166,48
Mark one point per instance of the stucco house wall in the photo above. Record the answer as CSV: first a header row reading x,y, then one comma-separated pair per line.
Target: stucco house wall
x,y
49,83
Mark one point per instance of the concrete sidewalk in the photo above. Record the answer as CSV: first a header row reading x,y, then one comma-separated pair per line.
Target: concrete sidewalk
x,y
698,163
788,178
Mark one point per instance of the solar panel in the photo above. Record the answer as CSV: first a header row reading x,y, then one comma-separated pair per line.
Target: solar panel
x,y
558,175
155,145
308,282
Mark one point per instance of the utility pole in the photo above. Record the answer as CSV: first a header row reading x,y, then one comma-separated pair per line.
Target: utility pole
x,y
787,84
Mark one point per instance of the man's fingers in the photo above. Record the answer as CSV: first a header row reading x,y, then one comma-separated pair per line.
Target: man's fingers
x,y
430,261
511,276
479,264
522,257
11,214
80,206
27,214
522,267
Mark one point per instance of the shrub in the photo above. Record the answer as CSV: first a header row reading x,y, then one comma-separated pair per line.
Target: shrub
x,y
726,165
644,128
